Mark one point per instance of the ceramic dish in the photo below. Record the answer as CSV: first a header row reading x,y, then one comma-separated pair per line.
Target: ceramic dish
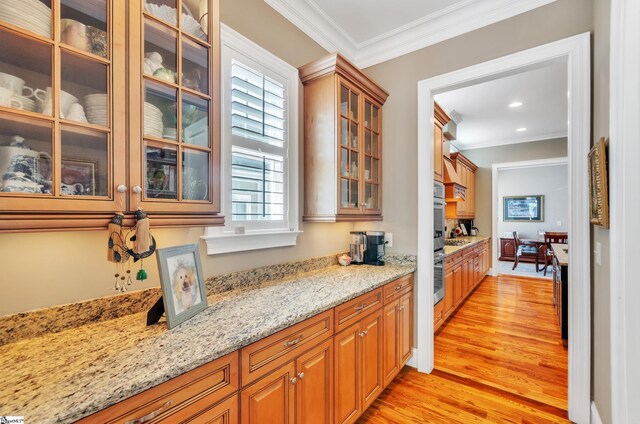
x,y
167,13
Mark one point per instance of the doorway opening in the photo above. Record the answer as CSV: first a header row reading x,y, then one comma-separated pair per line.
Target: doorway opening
x,y
575,52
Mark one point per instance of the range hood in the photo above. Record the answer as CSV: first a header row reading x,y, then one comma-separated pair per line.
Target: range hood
x,y
455,190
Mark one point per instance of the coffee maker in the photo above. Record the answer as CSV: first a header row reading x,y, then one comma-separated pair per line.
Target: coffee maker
x,y
357,247
374,255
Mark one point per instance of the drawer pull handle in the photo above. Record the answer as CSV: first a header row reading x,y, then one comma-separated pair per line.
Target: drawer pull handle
x,y
151,415
399,287
360,307
293,380
293,342
300,375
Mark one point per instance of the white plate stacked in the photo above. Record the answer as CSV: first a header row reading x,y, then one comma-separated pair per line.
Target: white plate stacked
x,y
27,103
152,120
95,106
28,14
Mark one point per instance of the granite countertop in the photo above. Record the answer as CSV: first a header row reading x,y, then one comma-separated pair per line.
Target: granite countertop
x,y
449,250
562,253
68,375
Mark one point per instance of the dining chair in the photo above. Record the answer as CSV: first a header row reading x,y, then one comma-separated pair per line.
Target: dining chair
x,y
525,250
549,238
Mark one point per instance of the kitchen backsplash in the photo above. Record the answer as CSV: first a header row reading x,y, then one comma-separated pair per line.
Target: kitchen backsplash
x,y
25,325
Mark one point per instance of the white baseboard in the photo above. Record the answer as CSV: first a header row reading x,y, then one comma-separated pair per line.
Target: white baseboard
x,y
595,415
413,361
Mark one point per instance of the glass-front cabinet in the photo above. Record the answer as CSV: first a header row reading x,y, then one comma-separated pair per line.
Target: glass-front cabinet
x,y
336,90
84,134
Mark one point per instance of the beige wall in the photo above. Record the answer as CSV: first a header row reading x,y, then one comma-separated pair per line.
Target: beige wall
x,y
601,287
484,158
400,76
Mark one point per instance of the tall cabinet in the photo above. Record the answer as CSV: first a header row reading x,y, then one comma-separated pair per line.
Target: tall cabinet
x,y
93,116
342,142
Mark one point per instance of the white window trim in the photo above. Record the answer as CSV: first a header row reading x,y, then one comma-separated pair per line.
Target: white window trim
x,y
229,239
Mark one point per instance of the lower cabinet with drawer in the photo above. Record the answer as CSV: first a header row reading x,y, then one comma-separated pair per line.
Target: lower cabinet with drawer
x,y
326,369
301,391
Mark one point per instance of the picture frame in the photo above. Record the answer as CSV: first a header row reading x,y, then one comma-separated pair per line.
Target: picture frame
x,y
78,177
598,185
523,208
183,289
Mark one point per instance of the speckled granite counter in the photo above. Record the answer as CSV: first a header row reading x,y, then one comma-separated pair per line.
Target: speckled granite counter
x,y
448,250
65,376
562,253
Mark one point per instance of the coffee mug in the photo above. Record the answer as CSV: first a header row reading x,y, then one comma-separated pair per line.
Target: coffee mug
x,y
45,101
7,100
15,84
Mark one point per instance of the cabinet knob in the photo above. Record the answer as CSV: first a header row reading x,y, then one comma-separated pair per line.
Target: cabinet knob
x,y
300,375
293,380
121,188
364,333
137,189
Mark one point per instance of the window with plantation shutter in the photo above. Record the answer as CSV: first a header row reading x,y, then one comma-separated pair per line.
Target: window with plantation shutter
x,y
259,149
258,153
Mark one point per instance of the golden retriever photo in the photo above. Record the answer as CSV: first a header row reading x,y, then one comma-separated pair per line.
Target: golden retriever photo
x,y
184,283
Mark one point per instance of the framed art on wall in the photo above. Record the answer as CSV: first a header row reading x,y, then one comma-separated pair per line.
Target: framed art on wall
x,y
523,208
598,185
183,288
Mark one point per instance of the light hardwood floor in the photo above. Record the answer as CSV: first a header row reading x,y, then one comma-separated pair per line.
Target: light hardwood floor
x,y
498,359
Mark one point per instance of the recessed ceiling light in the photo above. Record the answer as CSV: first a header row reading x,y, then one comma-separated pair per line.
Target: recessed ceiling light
x,y
523,129
515,104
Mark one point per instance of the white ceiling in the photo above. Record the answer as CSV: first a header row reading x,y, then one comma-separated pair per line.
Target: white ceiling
x,y
487,119
369,32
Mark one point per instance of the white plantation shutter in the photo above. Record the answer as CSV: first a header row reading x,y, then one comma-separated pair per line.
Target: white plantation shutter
x,y
258,147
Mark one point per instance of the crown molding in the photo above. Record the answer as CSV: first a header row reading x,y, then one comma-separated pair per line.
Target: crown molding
x,y
458,19
545,137
317,25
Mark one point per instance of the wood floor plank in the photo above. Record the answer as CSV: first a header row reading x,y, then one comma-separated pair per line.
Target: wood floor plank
x,y
498,359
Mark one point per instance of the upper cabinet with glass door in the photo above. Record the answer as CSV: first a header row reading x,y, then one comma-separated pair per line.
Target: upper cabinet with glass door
x,y
68,159
175,143
343,142
58,99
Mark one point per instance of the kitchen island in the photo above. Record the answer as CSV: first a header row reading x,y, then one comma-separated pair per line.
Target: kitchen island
x,y
65,376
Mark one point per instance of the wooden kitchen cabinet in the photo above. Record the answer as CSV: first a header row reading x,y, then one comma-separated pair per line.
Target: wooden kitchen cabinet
x,y
464,270
449,292
465,208
358,367
301,391
458,291
79,153
314,387
343,142
398,335
272,399
439,142
406,327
